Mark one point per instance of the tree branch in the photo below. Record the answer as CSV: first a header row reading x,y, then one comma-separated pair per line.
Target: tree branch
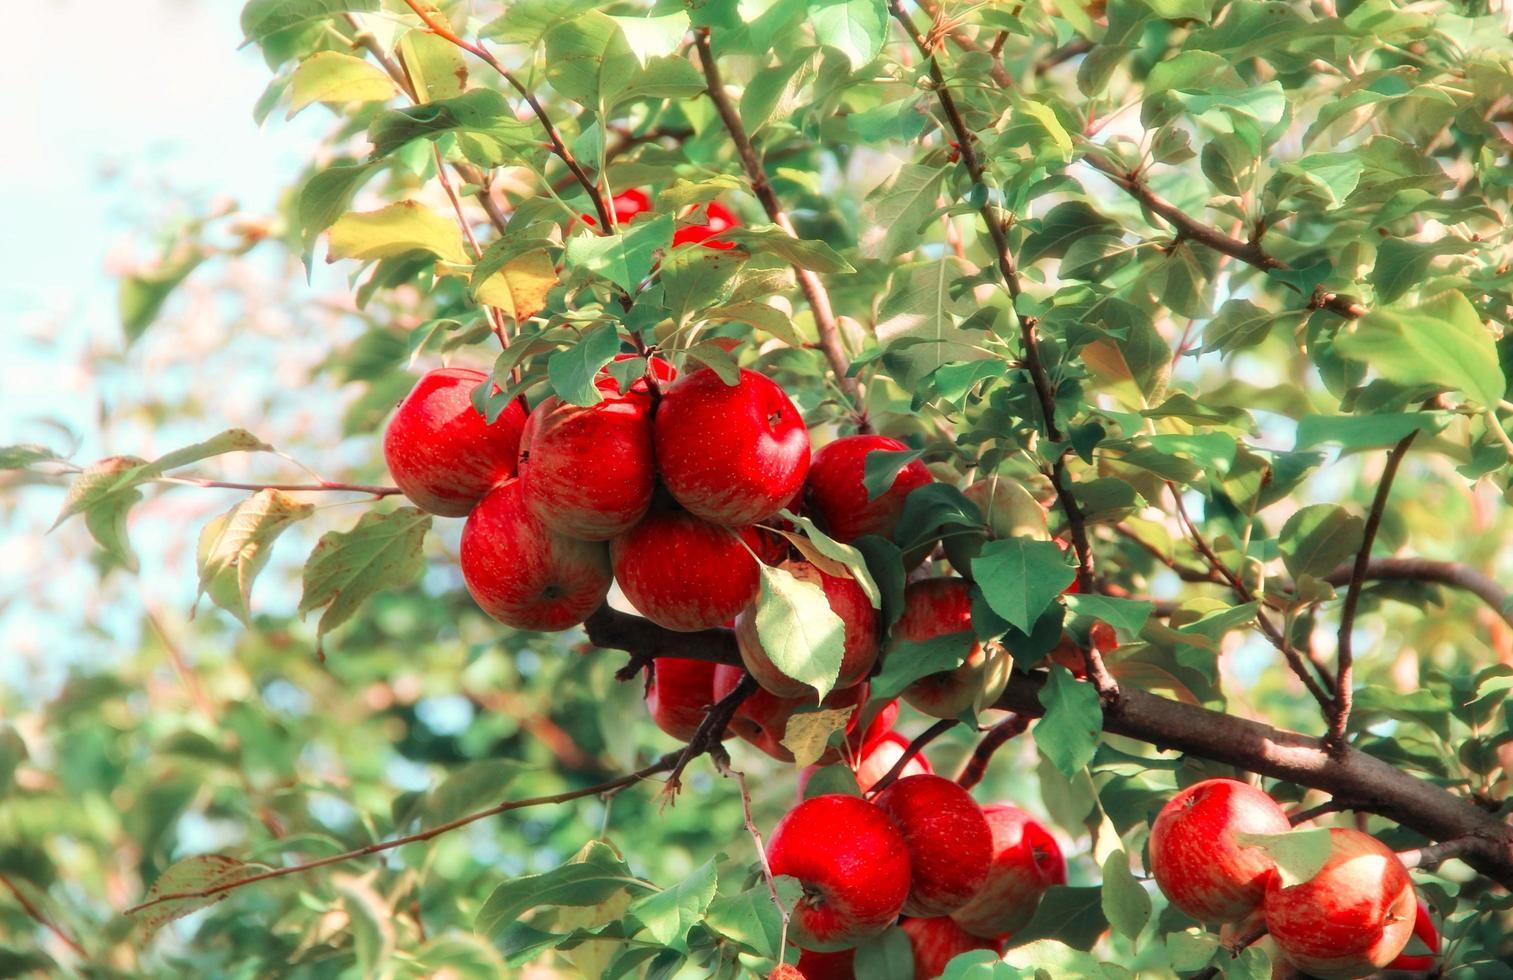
x,y
1342,691
707,737
1448,573
914,748
327,486
37,916
809,281
663,764
1434,854
976,765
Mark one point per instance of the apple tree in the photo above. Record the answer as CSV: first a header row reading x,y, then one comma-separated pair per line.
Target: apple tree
x,y
878,488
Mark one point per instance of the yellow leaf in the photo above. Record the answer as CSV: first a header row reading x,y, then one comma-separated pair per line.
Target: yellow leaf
x,y
395,230
519,287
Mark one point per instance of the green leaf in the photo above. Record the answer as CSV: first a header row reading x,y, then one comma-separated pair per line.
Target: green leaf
x,y
1020,577
694,279
830,780
325,197
855,28
12,754
799,631
143,293
815,256
589,61
833,557
1126,905
750,918
906,661
1240,324
22,456
919,320
1069,732
435,66
1072,915
898,208
1126,614
483,122
329,76
572,370
889,956
881,468
1318,538
474,787
1299,853
668,915
234,547
624,258
1402,264
399,228
759,316
382,551
653,37
190,875
594,876
1364,431
261,18
1440,342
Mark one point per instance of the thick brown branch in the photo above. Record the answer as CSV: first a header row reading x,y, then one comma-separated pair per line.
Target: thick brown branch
x,y
711,730
1435,854
814,289
663,764
1342,682
1448,573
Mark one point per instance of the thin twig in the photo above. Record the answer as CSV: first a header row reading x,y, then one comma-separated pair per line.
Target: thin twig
x,y
661,765
1235,947
30,908
1322,810
1434,854
722,764
1342,691
977,764
809,281
496,318
325,486
710,731
915,747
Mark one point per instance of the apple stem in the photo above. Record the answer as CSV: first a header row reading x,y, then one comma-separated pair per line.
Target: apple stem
x,y
925,738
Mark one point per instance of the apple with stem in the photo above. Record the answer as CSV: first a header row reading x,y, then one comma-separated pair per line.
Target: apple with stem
x,y
441,452
684,573
1196,859
853,865
848,601
1423,928
836,497
936,607
1026,862
1351,918
731,454
524,574
949,840
678,693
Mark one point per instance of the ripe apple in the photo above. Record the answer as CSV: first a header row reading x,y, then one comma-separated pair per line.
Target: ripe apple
x,y
720,219
937,941
853,865
589,473
1352,918
881,724
938,607
731,454
523,573
440,451
950,842
1197,861
836,498
1026,862
814,965
1423,928
859,619
625,206
679,692
1008,510
684,573
762,719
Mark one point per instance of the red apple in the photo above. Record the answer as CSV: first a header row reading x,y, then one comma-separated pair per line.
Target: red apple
x,y
678,694
836,498
785,971
950,843
1423,928
879,758
1352,918
625,206
853,865
881,725
1026,862
731,454
1197,861
720,219
938,607
684,573
524,574
858,618
440,451
762,718
814,965
589,473
937,941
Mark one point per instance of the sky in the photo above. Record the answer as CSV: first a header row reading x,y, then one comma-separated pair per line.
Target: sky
x,y
118,117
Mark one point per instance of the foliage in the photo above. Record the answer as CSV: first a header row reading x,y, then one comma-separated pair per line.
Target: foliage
x,y
1183,269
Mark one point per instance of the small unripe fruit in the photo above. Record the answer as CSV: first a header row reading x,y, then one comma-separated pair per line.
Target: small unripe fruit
x,y
853,865
950,843
1196,859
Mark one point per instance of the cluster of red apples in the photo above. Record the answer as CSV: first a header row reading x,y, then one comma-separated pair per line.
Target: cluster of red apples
x,y
1352,918
962,876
